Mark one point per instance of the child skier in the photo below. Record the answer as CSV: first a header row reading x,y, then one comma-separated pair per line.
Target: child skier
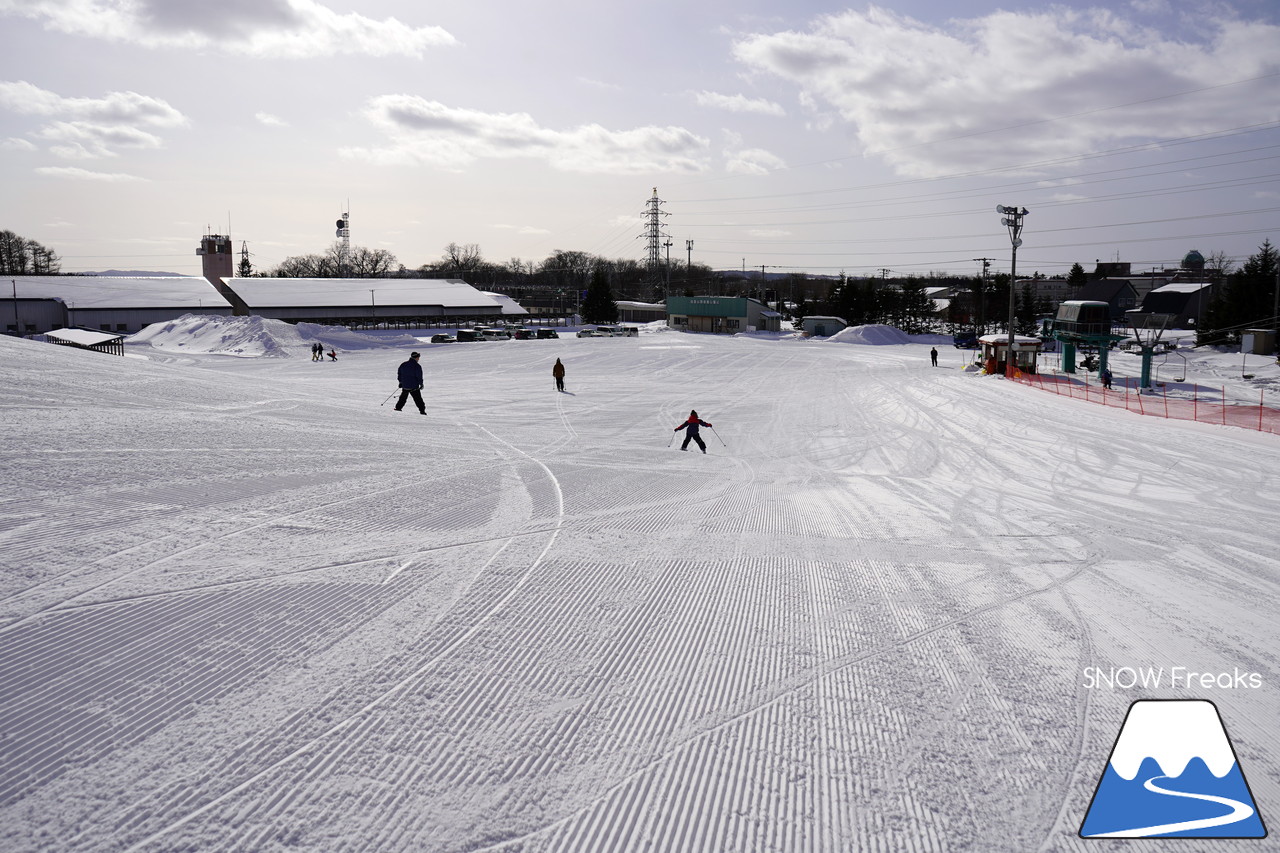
x,y
691,431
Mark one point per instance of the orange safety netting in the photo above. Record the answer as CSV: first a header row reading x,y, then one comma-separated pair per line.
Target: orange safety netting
x,y
1188,402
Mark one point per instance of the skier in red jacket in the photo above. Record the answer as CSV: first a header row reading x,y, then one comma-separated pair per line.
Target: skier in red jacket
x,y
691,431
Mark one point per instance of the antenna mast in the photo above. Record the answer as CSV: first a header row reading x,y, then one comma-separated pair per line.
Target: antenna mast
x,y
344,244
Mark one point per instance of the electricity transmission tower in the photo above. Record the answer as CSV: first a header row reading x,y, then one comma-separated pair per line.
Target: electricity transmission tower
x,y
654,236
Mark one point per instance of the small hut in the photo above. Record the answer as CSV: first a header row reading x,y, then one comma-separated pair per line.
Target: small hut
x,y
995,352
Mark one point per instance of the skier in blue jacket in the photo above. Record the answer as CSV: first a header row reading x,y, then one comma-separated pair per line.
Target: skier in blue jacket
x,y
691,431
410,377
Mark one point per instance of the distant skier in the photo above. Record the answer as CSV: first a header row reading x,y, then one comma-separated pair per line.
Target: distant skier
x,y
333,355
410,377
557,370
691,431
317,351
933,356
1105,376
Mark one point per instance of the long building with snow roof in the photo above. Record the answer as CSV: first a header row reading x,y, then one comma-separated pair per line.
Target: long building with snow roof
x,y
362,302
39,303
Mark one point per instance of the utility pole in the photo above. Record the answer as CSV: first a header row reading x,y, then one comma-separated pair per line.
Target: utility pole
x,y
688,266
668,245
982,296
1013,221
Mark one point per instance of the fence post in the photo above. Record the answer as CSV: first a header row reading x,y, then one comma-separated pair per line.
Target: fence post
x,y
1259,410
1224,405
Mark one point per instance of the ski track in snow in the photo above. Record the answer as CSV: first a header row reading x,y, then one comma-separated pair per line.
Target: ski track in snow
x,y
244,607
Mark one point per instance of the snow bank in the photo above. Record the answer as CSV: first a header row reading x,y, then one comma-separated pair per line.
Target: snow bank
x,y
876,335
254,337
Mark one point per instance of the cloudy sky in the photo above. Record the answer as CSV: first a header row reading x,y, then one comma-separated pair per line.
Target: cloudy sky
x,y
795,136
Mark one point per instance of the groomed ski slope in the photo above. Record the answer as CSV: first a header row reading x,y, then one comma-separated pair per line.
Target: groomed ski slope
x,y
245,607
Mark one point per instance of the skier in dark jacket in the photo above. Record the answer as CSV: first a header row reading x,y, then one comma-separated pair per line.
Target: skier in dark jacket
x,y
691,431
557,370
410,376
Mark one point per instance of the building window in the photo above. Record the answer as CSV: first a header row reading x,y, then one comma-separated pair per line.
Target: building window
x,y
732,324
122,327
106,327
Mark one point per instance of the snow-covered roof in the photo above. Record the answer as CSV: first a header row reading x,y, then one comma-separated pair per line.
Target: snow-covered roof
x,y
186,292
1182,287
358,292
656,306
1018,340
83,337
509,305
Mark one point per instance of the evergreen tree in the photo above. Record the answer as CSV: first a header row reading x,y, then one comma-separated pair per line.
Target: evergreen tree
x,y
1077,277
599,305
1245,298
1025,312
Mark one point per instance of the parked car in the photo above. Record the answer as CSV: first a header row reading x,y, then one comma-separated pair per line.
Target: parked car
x,y
606,332
547,333
587,333
494,334
443,339
465,335
523,334
628,331
965,340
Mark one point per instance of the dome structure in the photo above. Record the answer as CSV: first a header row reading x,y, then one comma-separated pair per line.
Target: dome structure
x,y
1193,261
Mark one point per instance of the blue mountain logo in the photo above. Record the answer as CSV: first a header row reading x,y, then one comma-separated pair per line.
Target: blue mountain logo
x,y
1172,774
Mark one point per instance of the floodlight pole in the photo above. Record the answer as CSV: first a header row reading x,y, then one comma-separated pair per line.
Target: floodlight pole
x,y
1013,221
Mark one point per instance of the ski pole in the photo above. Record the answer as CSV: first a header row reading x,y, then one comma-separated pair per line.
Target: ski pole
x,y
384,402
671,440
722,444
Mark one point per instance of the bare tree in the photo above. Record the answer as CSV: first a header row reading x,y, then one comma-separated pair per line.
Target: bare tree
x,y
464,256
361,263
20,256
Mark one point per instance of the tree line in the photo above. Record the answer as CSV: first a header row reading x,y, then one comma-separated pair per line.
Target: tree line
x,y
20,256
1245,299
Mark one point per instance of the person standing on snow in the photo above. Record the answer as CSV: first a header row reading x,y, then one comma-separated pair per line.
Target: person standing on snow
x,y
933,356
557,370
410,377
691,431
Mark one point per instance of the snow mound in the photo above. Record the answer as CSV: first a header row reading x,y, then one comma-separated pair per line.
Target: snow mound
x,y
876,335
257,337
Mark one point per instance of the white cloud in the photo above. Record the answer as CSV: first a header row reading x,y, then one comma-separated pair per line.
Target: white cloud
x,y
532,230
76,174
270,120
748,161
738,103
113,108
428,132
752,161
93,127
600,84
275,28
927,99
15,144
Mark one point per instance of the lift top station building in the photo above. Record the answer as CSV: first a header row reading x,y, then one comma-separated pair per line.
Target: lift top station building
x,y
1083,324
